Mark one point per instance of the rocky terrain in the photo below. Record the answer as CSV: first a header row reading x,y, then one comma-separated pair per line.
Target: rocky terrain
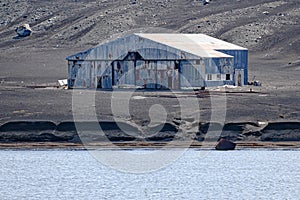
x,y
270,29
258,25
61,28
31,66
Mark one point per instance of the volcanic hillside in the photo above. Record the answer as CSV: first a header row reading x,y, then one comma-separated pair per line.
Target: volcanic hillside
x,y
268,28
260,25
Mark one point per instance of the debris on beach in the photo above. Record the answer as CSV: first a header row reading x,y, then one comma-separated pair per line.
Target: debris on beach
x,y
63,83
224,144
266,12
24,30
255,83
205,2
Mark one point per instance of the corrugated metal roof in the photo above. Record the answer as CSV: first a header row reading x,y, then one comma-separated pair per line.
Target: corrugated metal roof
x,y
205,41
198,44
189,45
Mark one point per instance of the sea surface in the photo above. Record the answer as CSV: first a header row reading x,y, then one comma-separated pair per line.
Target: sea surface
x,y
64,174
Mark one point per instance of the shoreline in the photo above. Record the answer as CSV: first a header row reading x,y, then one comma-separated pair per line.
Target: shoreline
x,y
48,135
291,145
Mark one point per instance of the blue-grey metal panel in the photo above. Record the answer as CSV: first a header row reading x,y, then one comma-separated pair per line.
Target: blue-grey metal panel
x,y
191,74
82,74
219,66
162,78
240,61
124,73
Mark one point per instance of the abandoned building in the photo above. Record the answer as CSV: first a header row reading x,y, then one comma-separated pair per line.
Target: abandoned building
x,y
160,61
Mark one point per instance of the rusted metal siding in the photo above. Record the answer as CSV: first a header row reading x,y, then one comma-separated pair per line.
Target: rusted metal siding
x,y
168,74
146,74
124,73
89,74
74,74
103,74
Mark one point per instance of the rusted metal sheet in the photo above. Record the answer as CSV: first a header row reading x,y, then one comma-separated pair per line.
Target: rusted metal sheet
x,y
168,74
103,75
124,73
146,74
74,68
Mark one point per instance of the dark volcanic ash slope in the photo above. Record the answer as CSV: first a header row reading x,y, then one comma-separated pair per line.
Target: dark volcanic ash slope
x,y
266,25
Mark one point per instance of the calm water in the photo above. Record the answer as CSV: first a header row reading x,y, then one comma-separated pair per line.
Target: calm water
x,y
247,174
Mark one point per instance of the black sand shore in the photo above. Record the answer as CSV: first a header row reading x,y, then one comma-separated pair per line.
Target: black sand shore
x,y
133,145
47,135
